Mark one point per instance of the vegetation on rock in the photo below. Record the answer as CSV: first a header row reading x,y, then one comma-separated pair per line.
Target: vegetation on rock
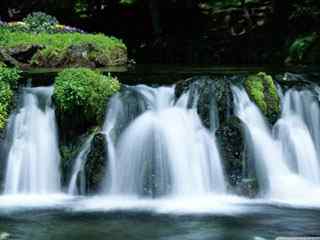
x,y
81,95
262,90
61,49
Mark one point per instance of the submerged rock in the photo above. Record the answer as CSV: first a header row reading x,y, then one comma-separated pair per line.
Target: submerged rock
x,y
262,90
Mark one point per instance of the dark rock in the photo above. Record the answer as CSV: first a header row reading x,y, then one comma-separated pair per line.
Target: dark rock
x,y
230,136
212,96
96,164
248,187
9,60
24,53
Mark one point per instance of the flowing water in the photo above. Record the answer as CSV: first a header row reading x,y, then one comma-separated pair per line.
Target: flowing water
x,y
286,160
165,151
33,158
78,171
165,177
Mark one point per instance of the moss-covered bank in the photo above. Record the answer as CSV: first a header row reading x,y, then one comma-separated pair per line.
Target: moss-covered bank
x,y
60,50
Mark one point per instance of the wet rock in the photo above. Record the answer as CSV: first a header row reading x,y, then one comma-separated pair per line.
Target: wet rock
x,y
212,97
230,137
96,164
248,187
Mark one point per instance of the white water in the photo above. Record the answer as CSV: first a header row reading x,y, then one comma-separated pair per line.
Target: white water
x,y
286,162
33,159
77,171
164,151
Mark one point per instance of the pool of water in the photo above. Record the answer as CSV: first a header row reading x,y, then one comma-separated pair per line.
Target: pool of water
x,y
144,220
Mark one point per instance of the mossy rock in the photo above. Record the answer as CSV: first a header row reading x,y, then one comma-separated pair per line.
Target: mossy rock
x,y
81,96
96,164
44,50
262,90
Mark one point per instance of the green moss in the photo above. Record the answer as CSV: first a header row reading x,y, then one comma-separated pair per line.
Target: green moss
x,y
81,95
263,92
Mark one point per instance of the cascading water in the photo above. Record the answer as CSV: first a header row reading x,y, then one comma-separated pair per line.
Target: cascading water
x,y
77,172
33,159
164,151
297,131
286,162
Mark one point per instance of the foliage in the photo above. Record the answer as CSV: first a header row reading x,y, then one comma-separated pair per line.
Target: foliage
x,y
9,75
8,81
299,47
6,95
40,22
262,90
84,93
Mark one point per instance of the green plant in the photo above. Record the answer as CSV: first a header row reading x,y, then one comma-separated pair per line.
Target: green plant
x,y
8,81
299,47
10,76
6,95
81,95
40,22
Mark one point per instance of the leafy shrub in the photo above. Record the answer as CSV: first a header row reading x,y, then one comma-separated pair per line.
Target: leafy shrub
x,y
9,75
299,47
81,95
40,22
8,81
6,95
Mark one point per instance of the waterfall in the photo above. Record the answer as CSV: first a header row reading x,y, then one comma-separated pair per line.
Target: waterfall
x,y
164,151
297,131
286,160
33,159
77,172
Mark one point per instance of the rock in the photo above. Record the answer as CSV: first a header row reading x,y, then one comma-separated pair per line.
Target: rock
x,y
211,96
230,137
79,55
24,53
19,56
248,187
262,90
96,163
9,60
